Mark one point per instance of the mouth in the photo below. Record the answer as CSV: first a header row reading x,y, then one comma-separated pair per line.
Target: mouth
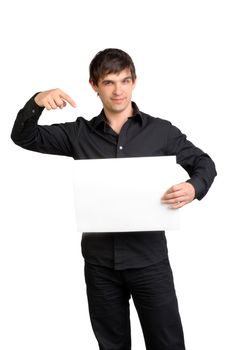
x,y
118,100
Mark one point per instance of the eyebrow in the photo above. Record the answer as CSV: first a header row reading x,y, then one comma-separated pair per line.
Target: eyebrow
x,y
113,81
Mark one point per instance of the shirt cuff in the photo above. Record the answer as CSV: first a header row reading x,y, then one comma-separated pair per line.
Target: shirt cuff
x,y
199,186
31,109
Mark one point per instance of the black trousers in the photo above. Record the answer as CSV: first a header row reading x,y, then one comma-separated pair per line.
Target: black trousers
x,y
153,293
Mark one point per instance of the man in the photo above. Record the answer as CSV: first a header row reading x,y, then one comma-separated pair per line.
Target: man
x,y
121,265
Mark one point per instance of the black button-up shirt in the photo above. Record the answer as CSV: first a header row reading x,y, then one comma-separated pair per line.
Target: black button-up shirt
x,y
141,136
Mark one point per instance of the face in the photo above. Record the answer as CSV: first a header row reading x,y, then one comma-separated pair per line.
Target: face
x,y
115,91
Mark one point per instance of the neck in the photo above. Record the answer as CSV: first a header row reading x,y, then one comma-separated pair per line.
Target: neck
x,y
116,119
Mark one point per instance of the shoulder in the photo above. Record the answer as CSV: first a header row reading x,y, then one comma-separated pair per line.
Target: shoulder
x,y
81,121
160,125
75,125
155,120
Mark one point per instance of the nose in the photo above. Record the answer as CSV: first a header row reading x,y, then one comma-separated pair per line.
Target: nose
x,y
117,89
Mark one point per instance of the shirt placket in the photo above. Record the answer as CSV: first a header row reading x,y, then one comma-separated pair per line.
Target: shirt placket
x,y
119,246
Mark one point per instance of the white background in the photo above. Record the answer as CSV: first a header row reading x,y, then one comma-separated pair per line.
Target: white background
x,y
183,54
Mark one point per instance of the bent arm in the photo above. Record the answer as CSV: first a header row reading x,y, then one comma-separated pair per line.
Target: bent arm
x,y
50,139
198,164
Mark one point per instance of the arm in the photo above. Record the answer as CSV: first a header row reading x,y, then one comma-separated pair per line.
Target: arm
x,y
199,166
53,139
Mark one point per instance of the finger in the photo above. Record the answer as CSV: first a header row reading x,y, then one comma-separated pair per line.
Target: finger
x,y
171,192
59,102
64,104
177,205
52,103
47,106
174,188
68,99
174,200
172,195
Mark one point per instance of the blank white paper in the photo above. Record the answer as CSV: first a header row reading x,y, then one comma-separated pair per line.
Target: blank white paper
x,y
124,194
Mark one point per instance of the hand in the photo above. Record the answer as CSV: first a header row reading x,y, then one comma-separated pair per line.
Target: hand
x,y
179,195
53,99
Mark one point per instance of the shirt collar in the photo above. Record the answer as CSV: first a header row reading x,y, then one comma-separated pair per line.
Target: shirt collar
x,y
101,118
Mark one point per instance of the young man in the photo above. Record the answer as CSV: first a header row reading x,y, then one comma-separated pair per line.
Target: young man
x,y
121,265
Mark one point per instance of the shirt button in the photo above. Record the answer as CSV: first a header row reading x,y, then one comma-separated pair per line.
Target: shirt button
x,y
33,111
121,147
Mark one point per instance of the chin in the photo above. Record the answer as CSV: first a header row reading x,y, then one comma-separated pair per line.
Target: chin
x,y
118,108
121,106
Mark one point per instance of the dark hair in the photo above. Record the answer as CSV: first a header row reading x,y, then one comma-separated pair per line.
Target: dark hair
x,y
110,61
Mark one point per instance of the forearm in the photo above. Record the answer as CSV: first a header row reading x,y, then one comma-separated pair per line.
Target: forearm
x,y
198,164
202,175
25,126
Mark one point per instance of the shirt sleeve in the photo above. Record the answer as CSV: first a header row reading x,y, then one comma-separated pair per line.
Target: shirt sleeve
x,y
198,164
50,139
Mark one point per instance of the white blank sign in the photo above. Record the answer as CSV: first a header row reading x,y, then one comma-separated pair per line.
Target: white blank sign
x,y
124,194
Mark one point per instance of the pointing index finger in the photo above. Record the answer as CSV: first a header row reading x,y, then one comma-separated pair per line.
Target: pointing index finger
x,y
68,99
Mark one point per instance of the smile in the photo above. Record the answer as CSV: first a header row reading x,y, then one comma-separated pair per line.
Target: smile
x,y
118,100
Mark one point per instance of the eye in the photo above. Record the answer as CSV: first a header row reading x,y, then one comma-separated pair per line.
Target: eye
x,y
127,81
107,82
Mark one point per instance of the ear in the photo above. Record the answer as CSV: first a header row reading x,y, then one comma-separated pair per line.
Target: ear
x,y
94,87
